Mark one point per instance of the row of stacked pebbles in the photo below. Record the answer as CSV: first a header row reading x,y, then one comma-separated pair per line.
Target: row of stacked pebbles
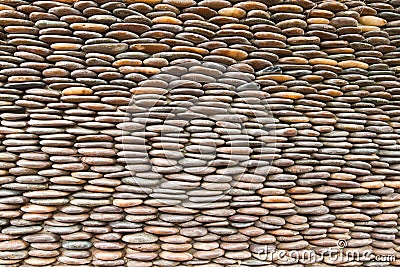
x,y
75,189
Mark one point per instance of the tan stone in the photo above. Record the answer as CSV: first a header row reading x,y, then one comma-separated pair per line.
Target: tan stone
x,y
180,3
385,217
254,211
143,257
232,12
277,77
5,7
190,49
176,256
365,28
286,8
23,78
393,184
293,60
156,62
77,91
251,5
176,247
144,247
275,199
124,203
233,53
317,21
166,20
277,205
149,48
264,239
158,230
389,204
175,239
107,255
99,189
44,253
235,150
10,214
32,208
293,245
13,245
353,64
40,261
238,255
67,1
284,232
143,70
251,231
299,190
93,27
332,92
65,46
309,196
140,238
127,62
353,217
373,185
209,254
340,50
55,72
343,176
148,90
149,2
372,21
290,95
312,78
322,61
297,219
355,191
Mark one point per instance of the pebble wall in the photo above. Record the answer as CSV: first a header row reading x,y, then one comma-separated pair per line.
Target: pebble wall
x,y
307,159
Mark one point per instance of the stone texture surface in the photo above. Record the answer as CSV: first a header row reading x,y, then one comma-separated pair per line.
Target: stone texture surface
x,y
323,170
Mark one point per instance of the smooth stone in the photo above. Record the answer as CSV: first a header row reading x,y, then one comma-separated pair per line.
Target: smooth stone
x,y
233,53
353,64
13,245
176,256
372,21
77,91
339,22
110,48
140,238
232,12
